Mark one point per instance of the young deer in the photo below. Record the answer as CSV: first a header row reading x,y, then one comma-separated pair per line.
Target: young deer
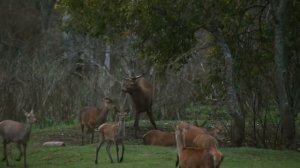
x,y
19,133
192,157
92,117
158,137
112,133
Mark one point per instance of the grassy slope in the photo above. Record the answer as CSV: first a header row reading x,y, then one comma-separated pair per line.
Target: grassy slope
x,y
136,156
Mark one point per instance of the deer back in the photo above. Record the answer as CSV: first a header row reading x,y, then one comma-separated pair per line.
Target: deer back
x,y
190,132
108,131
13,130
158,137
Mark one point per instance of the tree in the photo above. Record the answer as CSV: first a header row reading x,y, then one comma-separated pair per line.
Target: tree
x,y
164,35
281,11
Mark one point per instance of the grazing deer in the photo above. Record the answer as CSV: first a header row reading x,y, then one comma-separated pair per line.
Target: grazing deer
x,y
207,142
92,117
160,138
19,133
192,157
194,136
112,133
141,92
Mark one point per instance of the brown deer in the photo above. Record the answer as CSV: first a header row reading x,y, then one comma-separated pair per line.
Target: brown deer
x,y
19,133
92,117
192,157
141,92
207,142
194,136
160,138
217,133
112,133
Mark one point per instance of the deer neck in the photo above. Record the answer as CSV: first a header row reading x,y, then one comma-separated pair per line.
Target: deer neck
x,y
121,128
102,114
27,132
179,143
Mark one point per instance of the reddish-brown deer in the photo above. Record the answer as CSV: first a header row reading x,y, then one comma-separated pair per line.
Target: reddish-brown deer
x,y
19,133
141,92
112,133
192,157
194,136
160,138
92,117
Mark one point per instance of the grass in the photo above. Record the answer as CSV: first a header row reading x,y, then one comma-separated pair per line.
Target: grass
x,y
140,156
136,155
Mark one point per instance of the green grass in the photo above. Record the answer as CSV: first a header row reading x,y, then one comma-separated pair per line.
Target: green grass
x,y
74,155
139,156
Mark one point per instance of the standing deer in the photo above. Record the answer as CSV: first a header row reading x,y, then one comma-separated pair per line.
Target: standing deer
x,y
112,133
19,133
141,92
190,157
92,117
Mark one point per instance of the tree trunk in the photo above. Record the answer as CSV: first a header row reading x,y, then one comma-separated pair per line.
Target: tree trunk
x,y
107,60
238,126
281,10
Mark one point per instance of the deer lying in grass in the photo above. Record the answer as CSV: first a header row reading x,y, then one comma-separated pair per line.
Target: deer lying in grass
x,y
92,117
112,133
194,136
158,137
19,133
192,157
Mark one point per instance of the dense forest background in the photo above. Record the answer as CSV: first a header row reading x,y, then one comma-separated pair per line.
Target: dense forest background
x,y
229,63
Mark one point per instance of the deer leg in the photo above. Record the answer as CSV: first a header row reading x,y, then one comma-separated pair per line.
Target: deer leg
x,y
5,153
21,152
123,149
150,115
4,150
177,160
136,123
108,151
97,150
82,135
92,138
24,147
117,149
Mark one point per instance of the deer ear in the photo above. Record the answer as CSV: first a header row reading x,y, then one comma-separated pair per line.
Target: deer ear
x,y
25,112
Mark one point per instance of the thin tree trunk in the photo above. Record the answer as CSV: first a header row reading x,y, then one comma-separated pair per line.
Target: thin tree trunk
x,y
281,10
238,126
107,61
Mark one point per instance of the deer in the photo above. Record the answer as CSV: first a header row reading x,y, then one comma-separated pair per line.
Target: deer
x,y
141,92
160,138
92,117
112,133
217,133
194,136
19,133
190,157
208,142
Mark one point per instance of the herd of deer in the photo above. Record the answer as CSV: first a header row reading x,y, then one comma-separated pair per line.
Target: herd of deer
x,y
196,146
